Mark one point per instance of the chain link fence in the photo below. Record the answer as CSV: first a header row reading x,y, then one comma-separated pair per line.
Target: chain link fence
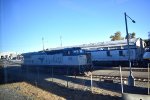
x,y
104,81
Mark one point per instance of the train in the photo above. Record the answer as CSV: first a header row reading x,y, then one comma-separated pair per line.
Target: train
x,y
83,58
74,59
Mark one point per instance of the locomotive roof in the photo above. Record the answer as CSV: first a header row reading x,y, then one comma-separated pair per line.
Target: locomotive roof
x,y
64,48
52,51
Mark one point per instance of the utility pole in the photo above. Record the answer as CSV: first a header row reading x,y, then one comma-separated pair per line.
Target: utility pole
x,y
130,78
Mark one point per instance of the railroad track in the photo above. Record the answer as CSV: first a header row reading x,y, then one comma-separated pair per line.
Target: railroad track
x,y
123,68
107,77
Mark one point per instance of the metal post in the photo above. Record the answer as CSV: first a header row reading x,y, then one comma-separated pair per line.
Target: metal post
x,y
5,73
74,72
148,78
38,74
27,72
52,73
79,69
130,78
121,80
67,76
91,83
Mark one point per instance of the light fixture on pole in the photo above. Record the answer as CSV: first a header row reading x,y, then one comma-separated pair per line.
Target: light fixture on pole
x,y
130,78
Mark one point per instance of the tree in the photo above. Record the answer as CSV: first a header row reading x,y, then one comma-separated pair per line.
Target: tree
x,y
131,35
116,36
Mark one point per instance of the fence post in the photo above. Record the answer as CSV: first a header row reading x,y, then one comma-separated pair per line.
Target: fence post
x,y
5,72
38,74
121,80
52,73
74,72
148,77
27,72
67,76
91,83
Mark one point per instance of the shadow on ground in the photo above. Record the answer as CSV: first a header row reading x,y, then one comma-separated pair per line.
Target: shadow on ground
x,y
38,78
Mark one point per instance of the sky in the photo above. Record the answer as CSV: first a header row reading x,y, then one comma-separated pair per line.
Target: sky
x,y
23,23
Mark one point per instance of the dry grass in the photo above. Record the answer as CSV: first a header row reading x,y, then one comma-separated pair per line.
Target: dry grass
x,y
32,91
36,93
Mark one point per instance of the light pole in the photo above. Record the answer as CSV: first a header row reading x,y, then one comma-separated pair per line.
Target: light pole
x,y
130,78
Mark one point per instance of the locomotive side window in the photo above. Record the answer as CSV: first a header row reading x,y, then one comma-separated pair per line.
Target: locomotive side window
x,y
108,53
121,53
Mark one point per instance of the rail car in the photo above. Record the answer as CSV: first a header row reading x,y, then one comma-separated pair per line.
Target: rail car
x,y
115,53
114,57
146,56
75,59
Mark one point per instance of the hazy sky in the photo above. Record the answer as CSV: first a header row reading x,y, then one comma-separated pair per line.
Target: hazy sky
x,y
23,23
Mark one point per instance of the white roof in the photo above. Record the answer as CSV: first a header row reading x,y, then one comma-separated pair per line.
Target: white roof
x,y
110,43
101,44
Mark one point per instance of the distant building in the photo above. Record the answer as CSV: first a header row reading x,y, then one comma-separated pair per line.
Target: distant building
x,y
8,55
